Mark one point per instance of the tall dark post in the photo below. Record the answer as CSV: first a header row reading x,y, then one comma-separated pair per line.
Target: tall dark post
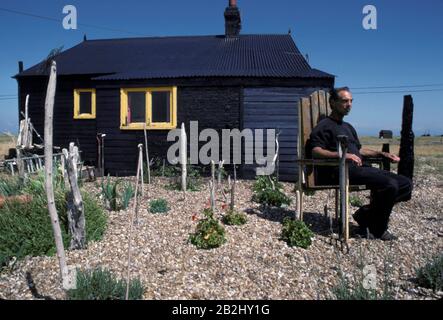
x,y
406,164
386,161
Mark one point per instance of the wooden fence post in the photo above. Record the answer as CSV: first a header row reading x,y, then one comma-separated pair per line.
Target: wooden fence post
x,y
344,186
183,155
131,220
147,155
49,112
76,210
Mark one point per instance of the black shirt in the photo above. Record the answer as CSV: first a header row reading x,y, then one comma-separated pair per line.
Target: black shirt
x,y
324,135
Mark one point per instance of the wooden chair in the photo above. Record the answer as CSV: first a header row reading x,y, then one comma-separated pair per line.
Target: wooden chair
x,y
311,110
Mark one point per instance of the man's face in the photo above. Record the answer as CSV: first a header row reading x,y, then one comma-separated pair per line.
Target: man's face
x,y
343,104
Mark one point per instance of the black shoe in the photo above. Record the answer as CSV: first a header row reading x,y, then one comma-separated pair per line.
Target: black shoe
x,y
387,236
361,216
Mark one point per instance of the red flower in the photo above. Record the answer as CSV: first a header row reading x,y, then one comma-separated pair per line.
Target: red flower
x,y
194,217
224,206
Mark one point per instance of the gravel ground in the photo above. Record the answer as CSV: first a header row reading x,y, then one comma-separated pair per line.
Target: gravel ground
x,y
254,263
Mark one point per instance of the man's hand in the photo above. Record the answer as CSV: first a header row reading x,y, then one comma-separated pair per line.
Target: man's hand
x,y
391,157
354,158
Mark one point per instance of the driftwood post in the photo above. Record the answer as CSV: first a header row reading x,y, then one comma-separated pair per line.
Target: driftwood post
x,y
131,220
76,210
344,185
406,164
147,155
49,112
183,156
219,173
233,190
212,196
138,178
140,155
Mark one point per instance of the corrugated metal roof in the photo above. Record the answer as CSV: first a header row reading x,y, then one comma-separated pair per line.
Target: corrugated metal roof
x,y
190,56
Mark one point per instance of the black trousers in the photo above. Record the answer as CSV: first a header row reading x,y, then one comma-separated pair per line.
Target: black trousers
x,y
387,189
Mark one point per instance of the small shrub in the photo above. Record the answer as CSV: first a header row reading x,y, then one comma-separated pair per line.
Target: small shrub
x,y
115,196
10,186
25,228
269,193
100,284
431,275
157,169
355,201
233,217
158,206
354,288
193,180
346,291
127,195
209,233
296,233
110,193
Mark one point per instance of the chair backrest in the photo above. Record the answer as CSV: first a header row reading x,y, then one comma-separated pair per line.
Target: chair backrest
x,y
312,109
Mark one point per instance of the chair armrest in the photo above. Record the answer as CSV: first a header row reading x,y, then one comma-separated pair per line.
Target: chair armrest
x,y
320,162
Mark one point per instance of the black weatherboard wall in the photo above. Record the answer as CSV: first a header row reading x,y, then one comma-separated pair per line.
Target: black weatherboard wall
x,y
276,108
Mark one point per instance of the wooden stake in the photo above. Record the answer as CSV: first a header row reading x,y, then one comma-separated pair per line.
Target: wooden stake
x,y
147,155
212,195
76,210
49,112
219,173
131,222
183,157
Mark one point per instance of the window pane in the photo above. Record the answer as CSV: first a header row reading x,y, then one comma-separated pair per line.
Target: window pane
x,y
160,106
85,102
136,107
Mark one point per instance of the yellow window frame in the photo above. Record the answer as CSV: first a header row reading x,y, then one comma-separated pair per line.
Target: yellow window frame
x,y
149,124
77,114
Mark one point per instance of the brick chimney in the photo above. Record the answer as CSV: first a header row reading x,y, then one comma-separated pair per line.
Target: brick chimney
x,y
232,19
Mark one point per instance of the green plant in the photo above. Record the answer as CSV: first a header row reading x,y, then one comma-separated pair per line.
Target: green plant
x,y
361,286
209,233
193,180
128,193
25,228
296,233
309,193
100,284
431,275
158,206
233,217
355,201
110,193
10,186
158,170
267,191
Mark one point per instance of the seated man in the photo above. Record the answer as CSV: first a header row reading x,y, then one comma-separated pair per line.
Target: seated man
x,y
386,188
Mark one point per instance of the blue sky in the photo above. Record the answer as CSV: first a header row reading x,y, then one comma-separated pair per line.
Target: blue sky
x,y
405,50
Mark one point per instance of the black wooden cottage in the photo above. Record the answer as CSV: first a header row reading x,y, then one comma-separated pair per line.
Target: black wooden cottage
x,y
223,81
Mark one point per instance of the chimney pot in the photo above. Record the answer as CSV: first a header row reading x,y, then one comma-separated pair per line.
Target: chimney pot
x,y
20,66
232,19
